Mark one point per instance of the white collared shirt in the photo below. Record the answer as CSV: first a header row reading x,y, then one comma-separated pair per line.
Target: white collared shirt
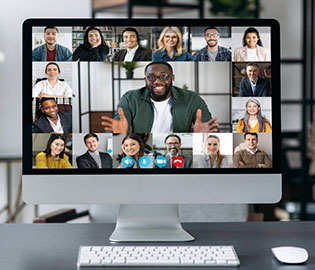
x,y
58,127
250,151
60,89
130,54
253,84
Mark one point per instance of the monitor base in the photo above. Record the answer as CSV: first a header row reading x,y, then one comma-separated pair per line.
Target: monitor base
x,y
149,223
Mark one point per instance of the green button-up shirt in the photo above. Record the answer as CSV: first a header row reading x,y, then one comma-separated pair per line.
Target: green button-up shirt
x,y
139,110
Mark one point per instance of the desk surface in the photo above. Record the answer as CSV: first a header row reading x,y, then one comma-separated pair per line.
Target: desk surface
x,y
55,246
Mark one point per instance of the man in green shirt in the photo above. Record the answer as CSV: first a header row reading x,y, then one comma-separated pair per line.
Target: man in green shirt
x,y
160,107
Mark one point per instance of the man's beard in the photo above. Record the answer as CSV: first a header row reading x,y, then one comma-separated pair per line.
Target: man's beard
x,y
211,46
160,97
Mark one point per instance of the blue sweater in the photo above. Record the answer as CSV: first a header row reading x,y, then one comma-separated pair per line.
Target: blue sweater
x,y
161,56
62,53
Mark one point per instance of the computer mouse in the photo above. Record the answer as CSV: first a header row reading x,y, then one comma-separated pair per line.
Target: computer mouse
x,y
290,255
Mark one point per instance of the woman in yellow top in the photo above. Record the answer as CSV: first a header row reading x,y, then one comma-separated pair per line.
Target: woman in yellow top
x,y
54,156
253,120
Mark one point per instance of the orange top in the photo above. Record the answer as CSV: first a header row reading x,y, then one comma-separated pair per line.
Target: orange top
x,y
255,129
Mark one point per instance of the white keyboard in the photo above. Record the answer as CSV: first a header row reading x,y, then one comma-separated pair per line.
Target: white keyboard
x,y
157,256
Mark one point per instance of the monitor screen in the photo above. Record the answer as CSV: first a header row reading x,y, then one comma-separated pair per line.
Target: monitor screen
x,y
151,111
140,96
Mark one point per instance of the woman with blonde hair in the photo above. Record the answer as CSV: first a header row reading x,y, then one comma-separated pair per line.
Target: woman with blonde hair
x,y
170,46
253,120
213,158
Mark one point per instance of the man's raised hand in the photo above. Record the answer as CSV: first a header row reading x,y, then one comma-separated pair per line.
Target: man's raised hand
x,y
116,126
206,127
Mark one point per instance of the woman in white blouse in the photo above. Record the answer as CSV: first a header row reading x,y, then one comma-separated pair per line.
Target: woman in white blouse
x,y
253,49
52,87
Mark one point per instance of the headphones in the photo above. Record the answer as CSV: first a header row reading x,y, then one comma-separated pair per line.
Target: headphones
x,y
131,29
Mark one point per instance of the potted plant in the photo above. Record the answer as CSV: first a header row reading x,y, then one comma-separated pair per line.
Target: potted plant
x,y
129,67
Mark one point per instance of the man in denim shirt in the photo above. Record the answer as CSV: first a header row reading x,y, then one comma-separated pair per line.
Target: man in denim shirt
x,y
51,51
160,107
212,52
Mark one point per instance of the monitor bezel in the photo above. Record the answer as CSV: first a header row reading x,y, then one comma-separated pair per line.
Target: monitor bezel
x,y
27,98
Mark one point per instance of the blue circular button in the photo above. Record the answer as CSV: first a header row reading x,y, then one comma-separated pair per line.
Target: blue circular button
x,y
144,161
128,161
160,161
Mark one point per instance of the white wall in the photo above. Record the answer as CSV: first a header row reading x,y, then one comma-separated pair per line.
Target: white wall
x,y
12,15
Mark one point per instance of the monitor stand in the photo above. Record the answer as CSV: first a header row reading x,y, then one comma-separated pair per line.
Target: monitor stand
x,y
149,223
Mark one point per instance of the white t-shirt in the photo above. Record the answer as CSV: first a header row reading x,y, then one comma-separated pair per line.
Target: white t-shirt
x,y
252,54
60,89
163,119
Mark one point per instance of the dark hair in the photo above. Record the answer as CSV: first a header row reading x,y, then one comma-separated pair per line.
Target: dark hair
x,y
159,63
131,29
173,135
52,138
137,138
86,37
211,27
42,100
52,63
252,30
252,64
51,27
89,135
250,133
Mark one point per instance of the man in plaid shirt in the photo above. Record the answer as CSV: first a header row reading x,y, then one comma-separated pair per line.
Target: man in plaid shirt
x,y
212,52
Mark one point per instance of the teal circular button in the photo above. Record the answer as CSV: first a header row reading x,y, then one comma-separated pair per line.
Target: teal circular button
x,y
144,161
160,161
128,161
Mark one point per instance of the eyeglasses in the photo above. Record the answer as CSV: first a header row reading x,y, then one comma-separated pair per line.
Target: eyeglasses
x,y
212,35
153,78
171,143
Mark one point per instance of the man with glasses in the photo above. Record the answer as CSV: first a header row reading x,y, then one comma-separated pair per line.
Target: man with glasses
x,y
174,159
160,107
212,52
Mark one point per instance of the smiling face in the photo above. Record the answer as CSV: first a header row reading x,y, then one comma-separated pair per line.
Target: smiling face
x,y
251,141
213,146
252,73
50,109
130,39
170,39
92,144
52,72
94,38
252,108
172,145
160,89
251,40
212,36
51,36
130,147
56,147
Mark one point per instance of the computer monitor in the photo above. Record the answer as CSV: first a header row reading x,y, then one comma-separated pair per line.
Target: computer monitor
x,y
151,113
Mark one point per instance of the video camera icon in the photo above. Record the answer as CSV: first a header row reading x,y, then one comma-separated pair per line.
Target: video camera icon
x,y
128,161
160,161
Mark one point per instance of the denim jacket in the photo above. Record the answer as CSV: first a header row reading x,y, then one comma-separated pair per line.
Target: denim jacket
x,y
139,110
202,55
62,53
